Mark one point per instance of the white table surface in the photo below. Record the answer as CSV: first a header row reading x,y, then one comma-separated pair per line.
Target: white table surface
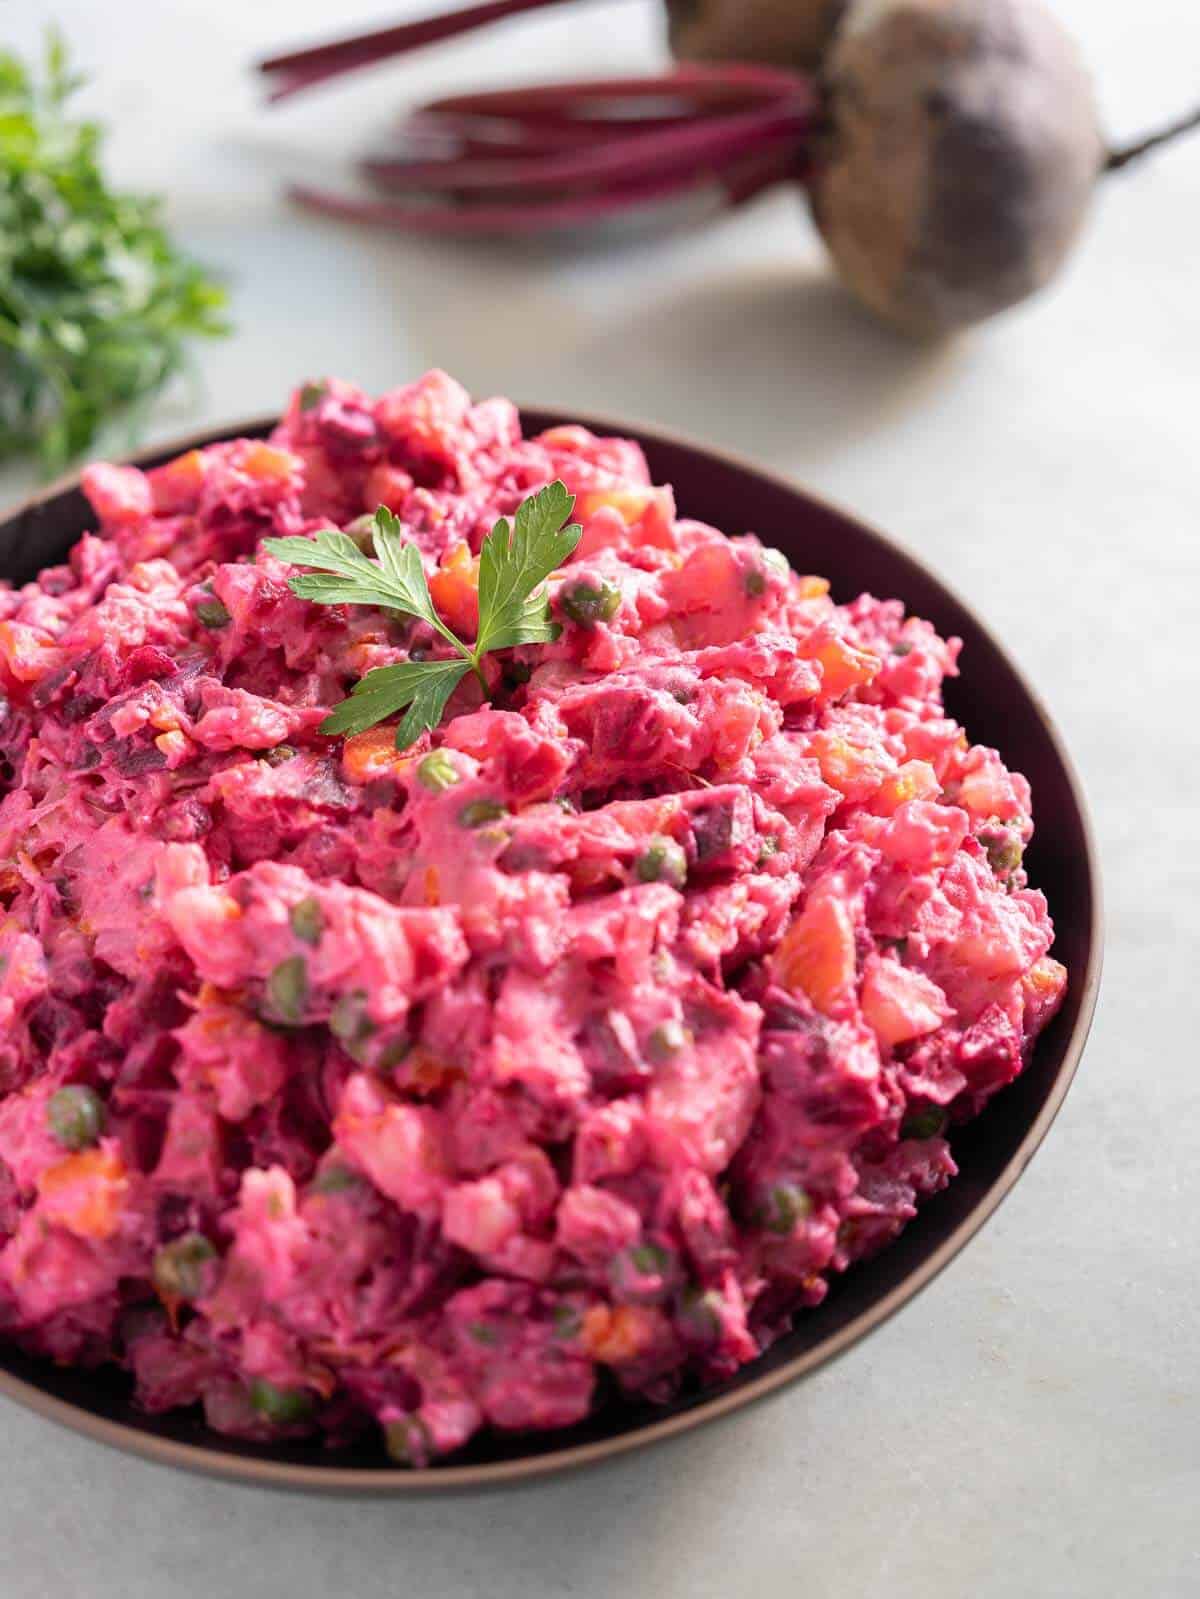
x,y
1031,1426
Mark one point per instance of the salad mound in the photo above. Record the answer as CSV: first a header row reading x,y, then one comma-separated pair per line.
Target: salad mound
x,y
569,1050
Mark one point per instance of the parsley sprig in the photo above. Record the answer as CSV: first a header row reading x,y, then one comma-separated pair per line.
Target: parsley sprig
x,y
514,608
96,302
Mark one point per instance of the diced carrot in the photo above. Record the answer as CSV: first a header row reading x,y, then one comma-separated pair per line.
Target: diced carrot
x,y
424,1073
1043,987
454,588
268,464
1046,978
177,485
913,780
813,588
373,754
85,1192
843,667
386,485
854,770
619,1333
649,509
817,954
569,436
27,652
433,886
174,744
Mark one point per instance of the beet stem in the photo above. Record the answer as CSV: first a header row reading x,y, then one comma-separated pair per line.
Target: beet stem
x,y
699,86
630,156
739,180
1134,152
297,70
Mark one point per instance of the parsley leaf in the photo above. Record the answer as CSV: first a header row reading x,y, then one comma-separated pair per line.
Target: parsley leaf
x,y
513,564
96,302
422,686
343,575
514,607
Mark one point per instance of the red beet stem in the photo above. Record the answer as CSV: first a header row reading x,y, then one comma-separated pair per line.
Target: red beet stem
x,y
570,116
303,69
693,86
637,155
739,180
423,137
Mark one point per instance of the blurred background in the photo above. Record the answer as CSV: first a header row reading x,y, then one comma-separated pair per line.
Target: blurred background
x,y
1030,1426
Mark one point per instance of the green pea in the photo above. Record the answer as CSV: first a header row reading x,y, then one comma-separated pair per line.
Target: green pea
x,y
652,1260
437,772
479,1332
699,1314
349,1022
787,1204
387,1053
755,582
212,613
927,1123
76,1116
1004,849
282,1407
662,861
306,920
408,1441
568,1323
335,1180
902,648
588,603
287,990
481,811
179,1267
644,1273
766,848
278,755
666,1041
311,395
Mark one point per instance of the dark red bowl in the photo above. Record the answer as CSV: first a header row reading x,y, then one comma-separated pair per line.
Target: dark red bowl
x,y
998,707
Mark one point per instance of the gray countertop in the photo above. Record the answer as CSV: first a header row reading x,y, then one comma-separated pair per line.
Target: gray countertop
x,y
1031,1426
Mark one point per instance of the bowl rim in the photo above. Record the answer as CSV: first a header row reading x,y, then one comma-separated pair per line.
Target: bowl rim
x,y
387,1481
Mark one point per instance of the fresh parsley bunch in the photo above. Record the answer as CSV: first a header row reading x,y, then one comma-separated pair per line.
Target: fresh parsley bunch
x,y
96,304
514,563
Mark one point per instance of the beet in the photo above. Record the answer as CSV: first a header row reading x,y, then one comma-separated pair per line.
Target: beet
x,y
950,148
774,32
962,156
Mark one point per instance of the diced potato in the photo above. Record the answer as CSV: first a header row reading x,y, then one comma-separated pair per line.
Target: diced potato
x,y
900,1004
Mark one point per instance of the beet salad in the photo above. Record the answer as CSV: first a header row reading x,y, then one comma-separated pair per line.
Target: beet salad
x,y
566,1052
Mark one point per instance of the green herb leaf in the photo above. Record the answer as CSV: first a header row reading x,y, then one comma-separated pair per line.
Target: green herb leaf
x,y
342,575
513,606
96,302
515,563
422,686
